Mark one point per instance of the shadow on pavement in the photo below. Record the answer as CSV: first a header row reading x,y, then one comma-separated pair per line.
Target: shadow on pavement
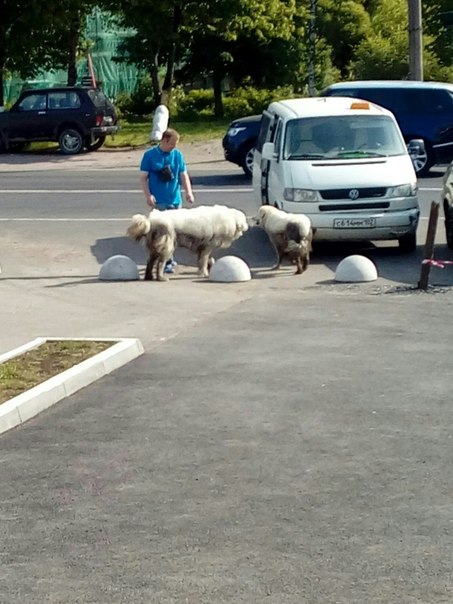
x,y
256,250
390,263
219,179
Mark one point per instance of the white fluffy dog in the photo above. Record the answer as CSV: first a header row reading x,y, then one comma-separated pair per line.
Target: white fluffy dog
x,y
202,230
291,235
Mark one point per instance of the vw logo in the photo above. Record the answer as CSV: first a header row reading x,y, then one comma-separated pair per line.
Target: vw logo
x,y
353,194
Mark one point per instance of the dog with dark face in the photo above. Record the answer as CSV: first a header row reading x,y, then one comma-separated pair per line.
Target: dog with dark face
x,y
290,234
202,230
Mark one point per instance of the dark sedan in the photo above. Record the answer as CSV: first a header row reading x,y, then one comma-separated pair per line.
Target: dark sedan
x,y
239,142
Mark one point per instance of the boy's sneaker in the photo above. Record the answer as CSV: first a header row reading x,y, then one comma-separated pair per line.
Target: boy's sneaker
x,y
169,266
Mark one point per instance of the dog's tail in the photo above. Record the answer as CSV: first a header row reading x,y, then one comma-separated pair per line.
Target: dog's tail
x,y
139,227
297,239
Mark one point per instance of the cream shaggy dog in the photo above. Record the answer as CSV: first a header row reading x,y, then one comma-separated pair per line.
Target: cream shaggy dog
x,y
202,230
160,240
291,235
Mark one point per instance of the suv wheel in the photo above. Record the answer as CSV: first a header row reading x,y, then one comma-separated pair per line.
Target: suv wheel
x,y
247,160
98,142
449,227
424,161
71,141
408,243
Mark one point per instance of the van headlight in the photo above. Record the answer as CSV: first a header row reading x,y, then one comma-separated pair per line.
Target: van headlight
x,y
299,195
409,190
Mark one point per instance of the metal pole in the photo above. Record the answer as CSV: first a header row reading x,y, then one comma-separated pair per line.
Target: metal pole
x,y
312,40
415,40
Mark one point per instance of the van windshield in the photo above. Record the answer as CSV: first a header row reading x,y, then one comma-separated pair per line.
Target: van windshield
x,y
346,137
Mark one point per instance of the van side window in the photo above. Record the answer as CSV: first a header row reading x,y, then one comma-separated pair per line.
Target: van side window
x,y
428,101
392,99
278,136
262,136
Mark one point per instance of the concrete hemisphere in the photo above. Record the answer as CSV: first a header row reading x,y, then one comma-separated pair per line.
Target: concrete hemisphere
x,y
356,269
119,268
230,269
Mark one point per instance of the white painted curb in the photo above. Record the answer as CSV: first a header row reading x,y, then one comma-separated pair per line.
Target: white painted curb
x,y
28,404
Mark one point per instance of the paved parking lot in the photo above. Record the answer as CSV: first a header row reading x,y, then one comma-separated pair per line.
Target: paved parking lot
x,y
286,440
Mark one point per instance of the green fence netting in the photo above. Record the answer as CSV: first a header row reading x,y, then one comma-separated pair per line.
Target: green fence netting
x,y
105,38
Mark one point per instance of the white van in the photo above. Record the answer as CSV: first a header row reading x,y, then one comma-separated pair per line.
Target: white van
x,y
344,163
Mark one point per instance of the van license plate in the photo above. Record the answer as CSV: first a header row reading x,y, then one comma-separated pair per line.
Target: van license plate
x,y
354,223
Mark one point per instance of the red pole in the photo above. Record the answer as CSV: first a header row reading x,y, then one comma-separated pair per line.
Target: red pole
x,y
91,70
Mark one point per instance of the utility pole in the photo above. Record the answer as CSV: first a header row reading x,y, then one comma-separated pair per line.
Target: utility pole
x,y
415,40
311,47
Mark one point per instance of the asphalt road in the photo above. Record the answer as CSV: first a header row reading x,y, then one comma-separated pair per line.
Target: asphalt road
x,y
85,214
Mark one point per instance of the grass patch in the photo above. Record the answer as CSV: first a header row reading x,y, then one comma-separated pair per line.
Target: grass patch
x,y
35,366
136,133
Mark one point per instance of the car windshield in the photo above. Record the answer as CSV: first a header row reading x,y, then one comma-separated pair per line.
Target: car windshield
x,y
345,137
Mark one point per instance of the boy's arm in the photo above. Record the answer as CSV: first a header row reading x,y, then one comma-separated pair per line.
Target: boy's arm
x,y
185,181
150,199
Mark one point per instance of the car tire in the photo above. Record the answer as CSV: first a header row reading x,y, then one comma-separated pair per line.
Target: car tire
x,y
423,162
247,160
98,142
70,141
408,243
449,227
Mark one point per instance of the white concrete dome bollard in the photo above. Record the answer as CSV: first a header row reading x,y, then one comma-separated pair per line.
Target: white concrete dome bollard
x,y
356,269
119,268
230,269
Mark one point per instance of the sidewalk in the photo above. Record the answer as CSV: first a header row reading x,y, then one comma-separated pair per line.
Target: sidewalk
x,y
195,154
290,448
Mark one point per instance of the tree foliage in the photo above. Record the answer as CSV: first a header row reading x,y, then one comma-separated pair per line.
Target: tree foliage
x,y
264,43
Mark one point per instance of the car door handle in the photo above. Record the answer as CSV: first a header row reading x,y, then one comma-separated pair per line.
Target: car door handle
x,y
41,113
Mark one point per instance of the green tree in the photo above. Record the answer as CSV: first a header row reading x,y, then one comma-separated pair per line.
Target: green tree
x,y
384,52
23,46
200,35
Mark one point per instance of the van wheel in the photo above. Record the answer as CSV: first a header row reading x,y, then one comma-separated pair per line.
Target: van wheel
x,y
70,141
424,161
247,160
408,243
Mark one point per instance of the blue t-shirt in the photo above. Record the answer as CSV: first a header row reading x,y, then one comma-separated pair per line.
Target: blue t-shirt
x,y
167,194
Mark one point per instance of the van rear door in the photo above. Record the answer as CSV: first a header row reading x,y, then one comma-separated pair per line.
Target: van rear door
x,y
261,166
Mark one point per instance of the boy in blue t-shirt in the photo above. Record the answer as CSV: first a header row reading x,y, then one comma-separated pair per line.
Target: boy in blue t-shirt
x,y
162,171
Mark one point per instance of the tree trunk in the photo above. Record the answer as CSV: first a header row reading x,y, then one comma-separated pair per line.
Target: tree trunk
x,y
2,99
73,44
170,72
154,73
217,86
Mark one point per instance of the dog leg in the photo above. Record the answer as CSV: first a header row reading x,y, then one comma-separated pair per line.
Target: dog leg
x,y
149,268
280,254
203,261
160,276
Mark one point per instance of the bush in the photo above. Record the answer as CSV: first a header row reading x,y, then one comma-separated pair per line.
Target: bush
x,y
139,103
199,104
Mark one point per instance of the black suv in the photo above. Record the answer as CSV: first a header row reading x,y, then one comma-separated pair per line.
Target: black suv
x,y
75,117
239,142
